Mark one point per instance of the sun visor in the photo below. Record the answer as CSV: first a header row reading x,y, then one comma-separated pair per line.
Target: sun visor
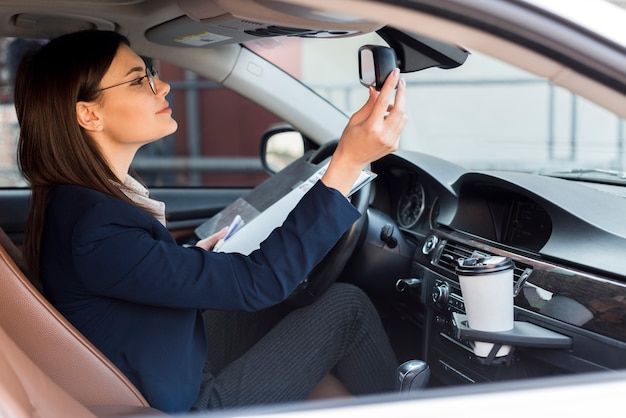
x,y
51,25
219,22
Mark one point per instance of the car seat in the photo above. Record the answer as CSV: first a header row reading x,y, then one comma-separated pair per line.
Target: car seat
x,y
26,391
55,346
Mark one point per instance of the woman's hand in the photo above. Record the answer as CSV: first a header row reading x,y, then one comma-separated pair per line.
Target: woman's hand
x,y
372,132
209,242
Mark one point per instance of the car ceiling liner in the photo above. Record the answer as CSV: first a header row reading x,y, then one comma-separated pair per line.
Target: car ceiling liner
x,y
221,22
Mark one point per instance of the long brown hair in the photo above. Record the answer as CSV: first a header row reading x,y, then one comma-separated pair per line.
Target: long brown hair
x,y
53,148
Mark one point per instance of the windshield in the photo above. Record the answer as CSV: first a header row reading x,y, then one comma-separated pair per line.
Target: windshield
x,y
484,114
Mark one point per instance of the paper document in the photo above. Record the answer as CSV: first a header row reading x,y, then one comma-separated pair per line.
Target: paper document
x,y
250,228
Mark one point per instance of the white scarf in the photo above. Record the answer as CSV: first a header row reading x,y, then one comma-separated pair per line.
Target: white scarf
x,y
140,195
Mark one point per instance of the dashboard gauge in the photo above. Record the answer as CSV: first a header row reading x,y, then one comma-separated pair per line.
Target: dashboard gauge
x,y
411,206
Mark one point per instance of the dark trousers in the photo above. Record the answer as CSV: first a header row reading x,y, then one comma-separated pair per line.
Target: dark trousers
x,y
279,355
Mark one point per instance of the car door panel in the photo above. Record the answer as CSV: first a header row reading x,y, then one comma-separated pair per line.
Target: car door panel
x,y
186,208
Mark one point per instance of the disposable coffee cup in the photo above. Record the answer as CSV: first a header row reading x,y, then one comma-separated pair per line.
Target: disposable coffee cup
x,y
487,290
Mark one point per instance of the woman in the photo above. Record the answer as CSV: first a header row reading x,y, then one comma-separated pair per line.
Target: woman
x,y
86,103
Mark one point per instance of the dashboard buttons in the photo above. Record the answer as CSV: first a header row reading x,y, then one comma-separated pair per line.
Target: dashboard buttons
x,y
440,294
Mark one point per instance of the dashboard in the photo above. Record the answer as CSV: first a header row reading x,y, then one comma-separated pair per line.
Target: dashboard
x,y
566,240
575,223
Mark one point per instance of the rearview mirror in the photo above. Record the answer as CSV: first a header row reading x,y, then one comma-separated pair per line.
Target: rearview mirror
x,y
407,52
417,52
375,64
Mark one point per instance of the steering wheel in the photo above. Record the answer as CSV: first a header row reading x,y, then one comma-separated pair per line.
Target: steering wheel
x,y
328,270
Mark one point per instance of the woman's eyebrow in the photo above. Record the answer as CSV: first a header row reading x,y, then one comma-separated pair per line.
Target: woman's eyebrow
x,y
135,70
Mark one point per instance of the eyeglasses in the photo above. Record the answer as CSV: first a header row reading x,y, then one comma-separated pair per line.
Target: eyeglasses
x,y
151,74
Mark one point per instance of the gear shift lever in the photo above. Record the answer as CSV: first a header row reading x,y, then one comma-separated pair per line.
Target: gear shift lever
x,y
412,375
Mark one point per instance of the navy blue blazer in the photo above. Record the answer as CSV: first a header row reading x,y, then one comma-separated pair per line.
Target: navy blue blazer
x,y
118,275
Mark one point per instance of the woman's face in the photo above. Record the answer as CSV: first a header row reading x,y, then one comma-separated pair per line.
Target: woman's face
x,y
131,114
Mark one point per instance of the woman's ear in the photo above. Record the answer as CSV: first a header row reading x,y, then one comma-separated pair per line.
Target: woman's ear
x,y
87,116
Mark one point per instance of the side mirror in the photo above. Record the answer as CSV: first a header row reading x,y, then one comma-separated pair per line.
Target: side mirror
x,y
375,64
280,147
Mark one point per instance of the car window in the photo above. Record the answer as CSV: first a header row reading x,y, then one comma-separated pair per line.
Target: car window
x,y
485,114
216,144
9,174
482,115
217,141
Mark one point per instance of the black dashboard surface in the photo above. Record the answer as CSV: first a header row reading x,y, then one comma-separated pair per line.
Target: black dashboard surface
x,y
572,223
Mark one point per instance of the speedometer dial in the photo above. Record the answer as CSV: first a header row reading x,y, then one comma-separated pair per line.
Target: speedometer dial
x,y
411,206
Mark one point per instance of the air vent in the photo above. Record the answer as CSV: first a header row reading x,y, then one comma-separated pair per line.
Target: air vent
x,y
451,251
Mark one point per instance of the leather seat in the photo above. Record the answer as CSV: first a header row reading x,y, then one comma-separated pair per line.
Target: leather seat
x,y
25,391
56,347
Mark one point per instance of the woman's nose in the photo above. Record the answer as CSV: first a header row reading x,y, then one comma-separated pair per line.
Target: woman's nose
x,y
162,87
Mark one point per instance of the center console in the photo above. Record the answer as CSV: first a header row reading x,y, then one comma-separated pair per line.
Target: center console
x,y
541,344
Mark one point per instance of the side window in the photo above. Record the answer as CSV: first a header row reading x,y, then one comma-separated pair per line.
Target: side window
x,y
216,144
9,174
10,51
217,141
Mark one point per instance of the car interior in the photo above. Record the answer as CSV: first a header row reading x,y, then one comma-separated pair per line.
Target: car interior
x,y
561,236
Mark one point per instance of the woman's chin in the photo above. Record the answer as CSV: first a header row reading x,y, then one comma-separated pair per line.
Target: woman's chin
x,y
173,126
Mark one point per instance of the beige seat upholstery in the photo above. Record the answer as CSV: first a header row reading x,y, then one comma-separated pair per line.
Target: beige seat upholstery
x,y
25,391
56,347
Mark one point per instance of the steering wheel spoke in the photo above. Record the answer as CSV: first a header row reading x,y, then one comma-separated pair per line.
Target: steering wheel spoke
x,y
330,268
